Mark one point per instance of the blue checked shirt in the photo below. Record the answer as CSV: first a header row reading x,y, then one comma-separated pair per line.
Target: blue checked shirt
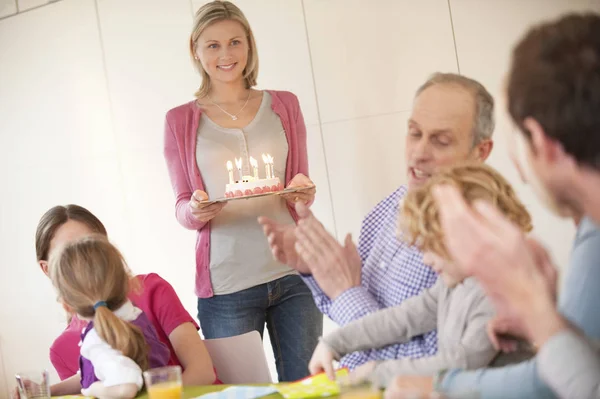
x,y
392,272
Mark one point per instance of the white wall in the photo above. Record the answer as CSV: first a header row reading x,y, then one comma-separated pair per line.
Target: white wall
x,y
85,84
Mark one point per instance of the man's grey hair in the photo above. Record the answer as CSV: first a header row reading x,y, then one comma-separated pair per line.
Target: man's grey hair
x,y
483,125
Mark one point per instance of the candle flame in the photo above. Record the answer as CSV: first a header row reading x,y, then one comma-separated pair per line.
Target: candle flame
x,y
264,157
253,162
238,163
229,166
269,158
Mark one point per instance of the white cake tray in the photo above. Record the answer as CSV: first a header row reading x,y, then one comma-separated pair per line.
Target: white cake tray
x,y
246,197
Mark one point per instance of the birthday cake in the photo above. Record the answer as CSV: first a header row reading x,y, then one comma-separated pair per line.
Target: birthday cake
x,y
249,185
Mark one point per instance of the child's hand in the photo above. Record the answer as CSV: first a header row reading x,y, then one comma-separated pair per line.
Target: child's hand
x,y
505,333
98,390
322,360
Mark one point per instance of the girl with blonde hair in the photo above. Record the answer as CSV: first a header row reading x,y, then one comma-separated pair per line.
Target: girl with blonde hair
x,y
455,305
119,342
239,286
155,297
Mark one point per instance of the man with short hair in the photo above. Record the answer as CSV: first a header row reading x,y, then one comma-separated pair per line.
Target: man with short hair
x,y
553,97
452,120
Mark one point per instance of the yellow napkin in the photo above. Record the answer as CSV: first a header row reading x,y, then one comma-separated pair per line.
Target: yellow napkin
x,y
318,385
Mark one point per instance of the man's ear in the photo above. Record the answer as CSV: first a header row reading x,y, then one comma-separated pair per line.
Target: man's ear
x,y
543,147
483,150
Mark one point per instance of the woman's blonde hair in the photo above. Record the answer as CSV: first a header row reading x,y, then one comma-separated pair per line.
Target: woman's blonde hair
x,y
419,217
207,15
92,270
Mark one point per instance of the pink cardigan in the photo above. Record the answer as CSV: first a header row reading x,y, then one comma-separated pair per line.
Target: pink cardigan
x,y
181,128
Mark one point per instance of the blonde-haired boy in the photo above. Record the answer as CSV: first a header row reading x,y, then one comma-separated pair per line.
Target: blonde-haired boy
x,y
455,305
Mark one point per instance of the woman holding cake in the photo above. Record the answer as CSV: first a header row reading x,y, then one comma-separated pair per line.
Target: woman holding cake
x,y
239,285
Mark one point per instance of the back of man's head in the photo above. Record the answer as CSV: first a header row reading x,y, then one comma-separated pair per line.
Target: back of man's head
x,y
555,79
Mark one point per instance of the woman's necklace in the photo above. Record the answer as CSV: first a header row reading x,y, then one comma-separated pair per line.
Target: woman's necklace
x,y
233,117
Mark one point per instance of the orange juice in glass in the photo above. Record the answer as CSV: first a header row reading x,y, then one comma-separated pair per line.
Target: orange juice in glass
x,y
164,383
165,390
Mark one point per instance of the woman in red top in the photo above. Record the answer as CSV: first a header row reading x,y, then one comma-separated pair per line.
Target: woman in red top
x,y
240,287
175,327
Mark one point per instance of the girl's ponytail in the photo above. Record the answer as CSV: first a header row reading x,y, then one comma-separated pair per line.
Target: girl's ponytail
x,y
121,335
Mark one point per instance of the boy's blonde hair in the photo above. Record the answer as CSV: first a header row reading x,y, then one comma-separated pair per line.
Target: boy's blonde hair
x,y
207,15
419,216
92,270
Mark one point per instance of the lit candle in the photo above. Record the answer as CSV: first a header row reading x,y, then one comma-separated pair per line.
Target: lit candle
x,y
254,167
238,164
267,168
272,169
230,170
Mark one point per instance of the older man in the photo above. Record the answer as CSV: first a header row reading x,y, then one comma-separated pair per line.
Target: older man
x,y
451,121
552,97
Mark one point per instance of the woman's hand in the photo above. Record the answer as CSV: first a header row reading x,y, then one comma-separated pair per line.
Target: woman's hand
x,y
192,354
204,212
307,196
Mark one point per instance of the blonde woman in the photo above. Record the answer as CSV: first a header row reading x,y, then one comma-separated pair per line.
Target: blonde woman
x,y
239,285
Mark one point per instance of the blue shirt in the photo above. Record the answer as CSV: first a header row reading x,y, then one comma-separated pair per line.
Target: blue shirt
x,y
578,303
392,271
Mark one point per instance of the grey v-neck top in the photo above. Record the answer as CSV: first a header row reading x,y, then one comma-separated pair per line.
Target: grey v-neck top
x,y
240,257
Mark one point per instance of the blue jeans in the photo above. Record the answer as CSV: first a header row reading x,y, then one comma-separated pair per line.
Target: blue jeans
x,y
286,305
